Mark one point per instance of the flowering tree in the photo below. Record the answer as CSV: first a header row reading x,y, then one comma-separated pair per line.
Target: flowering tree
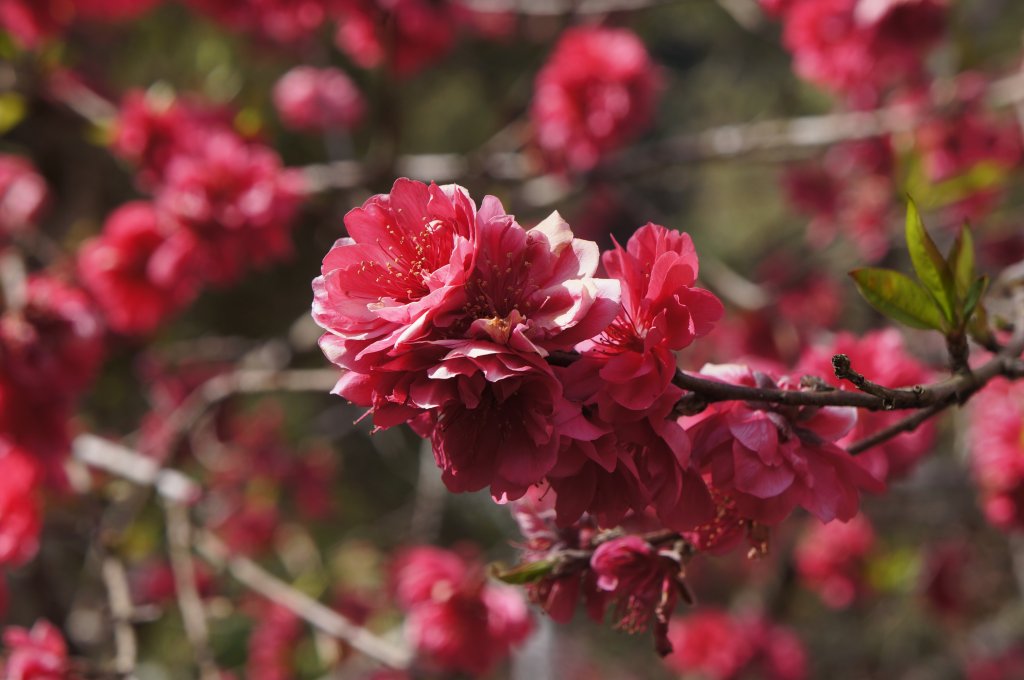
x,y
535,400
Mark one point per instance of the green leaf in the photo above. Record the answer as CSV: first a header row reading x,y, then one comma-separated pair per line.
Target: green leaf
x,y
523,573
929,264
12,110
974,294
961,261
898,297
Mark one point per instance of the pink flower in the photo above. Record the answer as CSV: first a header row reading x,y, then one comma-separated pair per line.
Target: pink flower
x,y
150,130
881,357
139,271
662,312
456,619
497,417
50,349
404,35
997,452
37,654
20,520
642,582
405,261
236,200
771,460
721,646
859,48
832,559
314,99
597,91
23,195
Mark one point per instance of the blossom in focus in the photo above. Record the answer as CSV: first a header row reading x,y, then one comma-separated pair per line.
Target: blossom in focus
x,y
139,270
36,654
597,91
404,35
771,460
996,439
882,357
23,195
832,559
315,99
237,202
721,646
455,618
20,519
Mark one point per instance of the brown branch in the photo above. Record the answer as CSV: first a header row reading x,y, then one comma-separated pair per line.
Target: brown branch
x,y
325,619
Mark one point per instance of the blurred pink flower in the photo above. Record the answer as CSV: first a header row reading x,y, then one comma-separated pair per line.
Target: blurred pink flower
x,y
315,100
597,92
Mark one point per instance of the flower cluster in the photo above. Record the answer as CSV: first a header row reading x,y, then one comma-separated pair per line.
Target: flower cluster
x,y
36,654
450,317
721,646
596,92
221,204
33,22
858,48
456,620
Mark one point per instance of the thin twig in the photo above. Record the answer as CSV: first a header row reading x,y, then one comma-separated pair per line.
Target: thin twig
x,y
193,615
121,613
258,579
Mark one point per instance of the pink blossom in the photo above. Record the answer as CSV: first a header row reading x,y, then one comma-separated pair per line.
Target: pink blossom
x,y
152,129
497,416
23,195
597,91
36,654
772,460
272,643
139,270
882,357
236,200
722,646
405,261
662,311
997,452
859,48
456,619
314,99
832,559
404,35
20,520
640,582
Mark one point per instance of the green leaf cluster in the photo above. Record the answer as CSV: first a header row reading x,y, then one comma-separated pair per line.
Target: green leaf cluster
x,y
946,293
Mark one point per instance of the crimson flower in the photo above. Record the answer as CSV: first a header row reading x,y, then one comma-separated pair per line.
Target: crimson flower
x,y
597,91
314,99
772,460
139,270
456,619
36,654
